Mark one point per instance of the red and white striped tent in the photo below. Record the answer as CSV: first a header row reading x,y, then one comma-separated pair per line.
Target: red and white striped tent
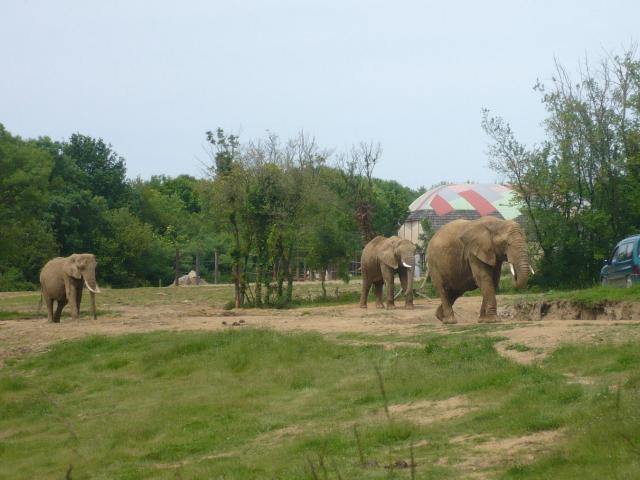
x,y
445,203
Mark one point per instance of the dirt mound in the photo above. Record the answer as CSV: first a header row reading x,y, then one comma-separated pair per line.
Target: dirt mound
x,y
570,310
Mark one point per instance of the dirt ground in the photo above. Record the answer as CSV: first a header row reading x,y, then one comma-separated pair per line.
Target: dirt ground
x,y
526,341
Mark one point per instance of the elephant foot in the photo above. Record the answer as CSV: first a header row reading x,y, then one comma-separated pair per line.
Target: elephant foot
x,y
451,319
391,306
488,319
408,306
363,305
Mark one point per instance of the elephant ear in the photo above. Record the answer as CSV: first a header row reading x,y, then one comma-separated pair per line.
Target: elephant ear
x,y
387,255
478,241
71,268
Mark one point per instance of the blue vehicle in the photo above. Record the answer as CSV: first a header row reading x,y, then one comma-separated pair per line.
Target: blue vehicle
x,y
623,268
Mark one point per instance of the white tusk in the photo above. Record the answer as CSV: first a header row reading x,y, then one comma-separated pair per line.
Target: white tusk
x,y
97,290
407,266
513,272
532,270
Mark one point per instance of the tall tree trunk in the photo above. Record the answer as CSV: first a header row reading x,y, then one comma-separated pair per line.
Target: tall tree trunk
x,y
323,274
236,284
289,276
237,272
176,280
259,283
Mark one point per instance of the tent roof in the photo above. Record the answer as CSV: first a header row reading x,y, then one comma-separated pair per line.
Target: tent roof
x,y
482,198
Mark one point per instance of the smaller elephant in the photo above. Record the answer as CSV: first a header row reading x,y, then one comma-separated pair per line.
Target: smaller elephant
x,y
62,280
381,257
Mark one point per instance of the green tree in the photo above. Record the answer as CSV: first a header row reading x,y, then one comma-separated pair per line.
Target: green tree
x,y
579,189
225,201
104,171
390,206
131,253
26,240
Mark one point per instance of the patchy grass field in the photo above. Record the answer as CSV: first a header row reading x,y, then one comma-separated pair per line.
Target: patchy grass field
x,y
260,404
167,384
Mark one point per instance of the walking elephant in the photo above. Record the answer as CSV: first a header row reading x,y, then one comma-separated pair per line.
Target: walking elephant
x,y
62,280
381,257
468,254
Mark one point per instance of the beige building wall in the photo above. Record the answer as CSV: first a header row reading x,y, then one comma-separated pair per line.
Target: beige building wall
x,y
411,231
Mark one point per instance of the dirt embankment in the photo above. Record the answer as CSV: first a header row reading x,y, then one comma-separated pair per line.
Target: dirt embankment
x,y
570,310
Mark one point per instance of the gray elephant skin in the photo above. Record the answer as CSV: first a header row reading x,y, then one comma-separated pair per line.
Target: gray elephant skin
x,y
381,258
62,280
468,254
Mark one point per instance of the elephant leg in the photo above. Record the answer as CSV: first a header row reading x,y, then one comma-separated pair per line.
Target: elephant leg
x,y
78,299
58,313
486,281
378,290
366,285
387,276
72,296
406,281
49,303
444,313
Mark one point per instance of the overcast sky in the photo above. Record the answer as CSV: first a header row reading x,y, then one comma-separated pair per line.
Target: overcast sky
x,y
151,77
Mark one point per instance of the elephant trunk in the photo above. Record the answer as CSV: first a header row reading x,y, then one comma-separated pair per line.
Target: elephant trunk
x,y
91,284
517,256
408,294
93,305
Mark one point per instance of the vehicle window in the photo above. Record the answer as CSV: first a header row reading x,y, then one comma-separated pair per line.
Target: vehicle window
x,y
622,253
614,255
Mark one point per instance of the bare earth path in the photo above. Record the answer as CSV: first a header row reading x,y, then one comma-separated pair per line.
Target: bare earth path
x,y
21,336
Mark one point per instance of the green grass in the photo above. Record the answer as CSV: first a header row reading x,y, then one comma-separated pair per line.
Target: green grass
x,y
245,404
12,315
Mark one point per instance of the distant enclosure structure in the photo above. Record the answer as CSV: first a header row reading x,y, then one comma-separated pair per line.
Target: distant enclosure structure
x,y
467,201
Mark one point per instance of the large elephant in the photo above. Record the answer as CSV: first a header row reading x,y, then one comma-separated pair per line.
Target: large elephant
x,y
381,257
468,254
62,279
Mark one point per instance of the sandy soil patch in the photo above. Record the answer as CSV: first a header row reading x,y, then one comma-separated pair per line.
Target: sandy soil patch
x,y
483,457
424,412
543,337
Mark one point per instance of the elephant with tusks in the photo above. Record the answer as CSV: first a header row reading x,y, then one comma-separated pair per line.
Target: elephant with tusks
x,y
62,280
381,258
468,254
